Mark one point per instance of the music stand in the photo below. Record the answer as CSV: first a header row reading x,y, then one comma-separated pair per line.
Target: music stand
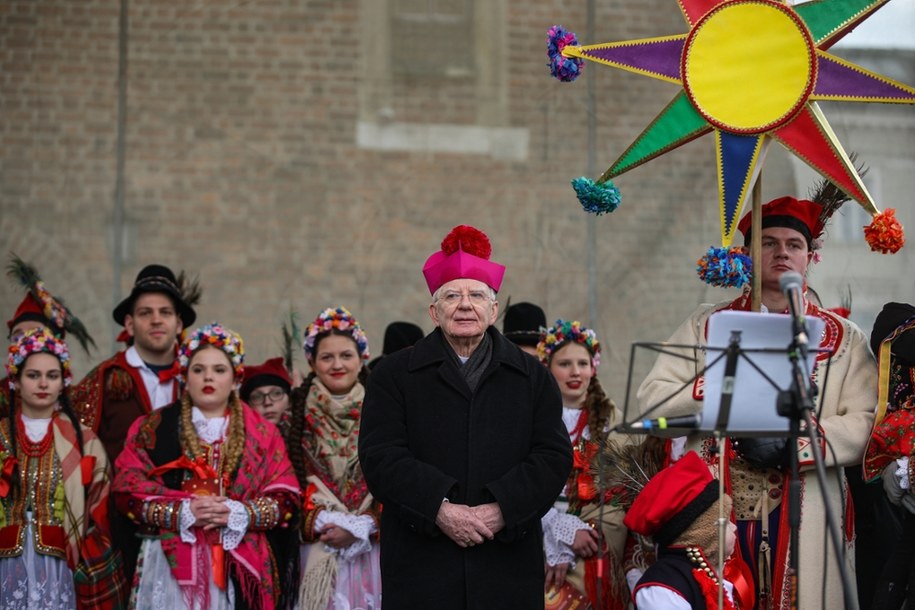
x,y
758,369
767,396
743,401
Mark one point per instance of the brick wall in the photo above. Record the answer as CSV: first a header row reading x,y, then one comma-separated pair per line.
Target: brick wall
x,y
242,167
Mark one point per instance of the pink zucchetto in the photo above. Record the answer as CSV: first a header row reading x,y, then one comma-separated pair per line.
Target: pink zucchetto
x,y
464,255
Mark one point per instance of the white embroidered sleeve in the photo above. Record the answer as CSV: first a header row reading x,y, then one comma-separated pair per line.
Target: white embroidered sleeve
x,y
233,533
558,535
186,521
360,526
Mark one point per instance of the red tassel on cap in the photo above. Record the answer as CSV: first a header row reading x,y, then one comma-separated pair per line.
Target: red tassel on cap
x,y
885,233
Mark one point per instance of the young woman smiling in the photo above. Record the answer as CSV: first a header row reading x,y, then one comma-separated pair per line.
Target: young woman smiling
x,y
339,555
580,532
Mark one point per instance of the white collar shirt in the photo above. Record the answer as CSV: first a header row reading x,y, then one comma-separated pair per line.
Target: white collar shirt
x,y
160,394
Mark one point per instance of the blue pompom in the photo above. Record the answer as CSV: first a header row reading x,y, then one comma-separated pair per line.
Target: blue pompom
x,y
565,69
725,267
596,198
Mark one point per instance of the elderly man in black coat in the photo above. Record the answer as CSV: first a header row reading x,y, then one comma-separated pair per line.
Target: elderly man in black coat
x,y
463,443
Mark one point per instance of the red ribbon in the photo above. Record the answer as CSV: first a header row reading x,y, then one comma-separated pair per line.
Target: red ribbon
x,y
201,470
309,496
199,467
86,466
6,475
575,434
709,590
581,461
738,572
166,375
581,458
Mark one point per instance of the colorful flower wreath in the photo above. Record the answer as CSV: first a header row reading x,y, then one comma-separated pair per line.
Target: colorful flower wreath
x,y
38,341
335,319
218,336
564,332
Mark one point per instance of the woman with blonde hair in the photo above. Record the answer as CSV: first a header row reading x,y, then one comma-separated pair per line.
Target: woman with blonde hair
x,y
208,482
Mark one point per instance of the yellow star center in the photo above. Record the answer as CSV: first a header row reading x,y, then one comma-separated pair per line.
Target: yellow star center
x,y
749,65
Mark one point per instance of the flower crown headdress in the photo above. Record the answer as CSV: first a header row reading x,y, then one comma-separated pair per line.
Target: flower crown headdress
x,y
335,319
38,341
563,332
218,336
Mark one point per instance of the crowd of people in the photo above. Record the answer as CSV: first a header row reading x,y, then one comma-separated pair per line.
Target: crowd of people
x,y
464,468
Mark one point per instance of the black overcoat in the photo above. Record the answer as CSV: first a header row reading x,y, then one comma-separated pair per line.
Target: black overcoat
x,y
425,437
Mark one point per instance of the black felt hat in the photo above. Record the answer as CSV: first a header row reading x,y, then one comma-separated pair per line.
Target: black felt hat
x,y
889,319
156,278
522,323
397,336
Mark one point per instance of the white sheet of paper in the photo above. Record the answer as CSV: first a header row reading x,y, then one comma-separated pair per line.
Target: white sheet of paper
x,y
753,407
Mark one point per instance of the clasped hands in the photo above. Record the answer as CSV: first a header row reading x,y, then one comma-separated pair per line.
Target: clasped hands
x,y
335,536
470,525
210,512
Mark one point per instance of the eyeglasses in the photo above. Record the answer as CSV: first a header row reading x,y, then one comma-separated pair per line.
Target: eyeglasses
x,y
256,399
476,297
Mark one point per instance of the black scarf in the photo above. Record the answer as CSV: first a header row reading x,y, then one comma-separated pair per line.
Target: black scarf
x,y
472,370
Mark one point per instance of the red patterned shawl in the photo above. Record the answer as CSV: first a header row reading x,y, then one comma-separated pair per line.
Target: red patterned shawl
x,y
264,470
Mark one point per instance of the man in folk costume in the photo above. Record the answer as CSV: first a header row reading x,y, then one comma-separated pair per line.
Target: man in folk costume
x,y
143,377
756,470
38,309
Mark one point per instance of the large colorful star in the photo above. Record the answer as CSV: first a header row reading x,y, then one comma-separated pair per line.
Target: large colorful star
x,y
751,71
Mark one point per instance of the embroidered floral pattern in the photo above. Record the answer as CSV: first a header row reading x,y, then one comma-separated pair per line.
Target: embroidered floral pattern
x,y
331,444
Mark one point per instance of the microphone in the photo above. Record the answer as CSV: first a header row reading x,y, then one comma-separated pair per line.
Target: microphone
x,y
792,286
662,423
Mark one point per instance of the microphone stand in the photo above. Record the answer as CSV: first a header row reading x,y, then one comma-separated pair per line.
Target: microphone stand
x,y
724,414
796,403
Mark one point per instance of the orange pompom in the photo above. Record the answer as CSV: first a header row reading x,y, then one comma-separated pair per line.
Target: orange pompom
x,y
885,233
469,239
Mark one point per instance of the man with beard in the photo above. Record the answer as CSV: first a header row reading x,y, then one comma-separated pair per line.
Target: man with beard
x,y
141,378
